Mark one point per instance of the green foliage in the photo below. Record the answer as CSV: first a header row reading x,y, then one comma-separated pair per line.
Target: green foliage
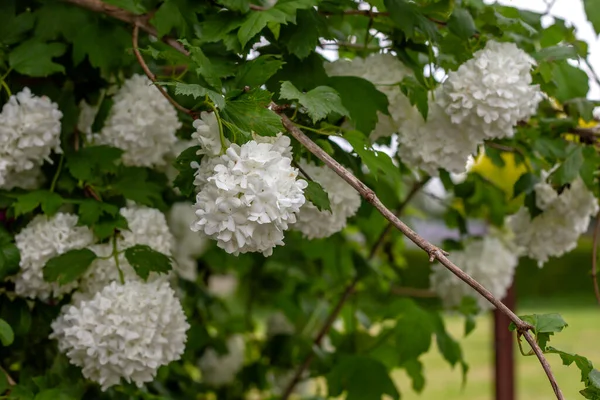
x,y
315,194
144,260
319,102
362,378
7,335
26,203
379,163
34,58
247,113
544,326
69,266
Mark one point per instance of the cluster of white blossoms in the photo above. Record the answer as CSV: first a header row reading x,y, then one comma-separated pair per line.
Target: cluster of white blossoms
x,y
251,198
221,369
207,135
29,132
123,332
492,92
189,245
385,71
147,226
344,201
222,285
490,260
141,122
42,239
564,218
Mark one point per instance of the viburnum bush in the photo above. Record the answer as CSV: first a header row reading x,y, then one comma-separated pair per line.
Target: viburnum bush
x,y
201,200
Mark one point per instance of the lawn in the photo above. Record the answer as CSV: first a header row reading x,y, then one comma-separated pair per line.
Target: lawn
x,y
444,383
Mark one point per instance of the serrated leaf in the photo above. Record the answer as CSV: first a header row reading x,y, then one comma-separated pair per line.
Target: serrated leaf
x,y
68,266
144,260
379,163
27,202
550,148
461,23
103,44
91,210
34,58
107,225
9,260
581,108
167,17
256,72
525,184
593,13
248,113
316,195
196,91
319,102
409,18
89,163
584,365
185,179
133,184
7,335
414,369
569,169
413,330
302,38
204,66
362,100
554,53
12,26
416,93
362,378
571,82
51,203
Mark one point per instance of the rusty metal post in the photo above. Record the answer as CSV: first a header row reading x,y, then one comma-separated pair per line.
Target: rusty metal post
x,y
504,341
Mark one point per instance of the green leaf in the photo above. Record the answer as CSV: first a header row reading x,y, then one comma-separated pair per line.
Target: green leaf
x,y
7,335
9,260
580,108
550,148
107,225
593,13
416,93
413,331
185,179
525,184
144,260
134,184
319,102
68,266
28,202
91,210
409,18
545,325
256,72
315,194
584,365
133,6
4,385
34,58
379,163
248,113
282,12
91,162
196,91
12,26
236,5
362,100
414,369
571,82
554,53
54,394
591,163
204,66
569,169
461,23
167,17
303,38
362,377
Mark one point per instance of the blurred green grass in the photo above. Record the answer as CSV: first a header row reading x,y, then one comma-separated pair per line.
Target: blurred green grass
x,y
445,383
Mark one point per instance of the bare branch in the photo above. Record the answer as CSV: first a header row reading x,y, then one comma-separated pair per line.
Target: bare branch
x,y
547,369
150,75
595,258
433,251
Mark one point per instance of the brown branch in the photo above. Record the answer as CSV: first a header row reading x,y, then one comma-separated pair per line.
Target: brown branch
x,y
545,365
595,259
433,251
150,75
346,294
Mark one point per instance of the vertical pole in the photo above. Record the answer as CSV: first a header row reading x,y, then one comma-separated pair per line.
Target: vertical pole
x,y
504,340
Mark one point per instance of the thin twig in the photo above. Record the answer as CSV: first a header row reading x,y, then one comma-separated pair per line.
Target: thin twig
x,y
130,18
150,75
346,295
433,251
9,378
595,259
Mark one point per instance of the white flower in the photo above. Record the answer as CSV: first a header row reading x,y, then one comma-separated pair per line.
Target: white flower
x,y
435,143
251,199
42,239
490,260
279,324
207,135
490,93
556,230
344,201
28,180
222,285
384,71
147,226
125,331
87,115
141,122
189,245
29,132
220,369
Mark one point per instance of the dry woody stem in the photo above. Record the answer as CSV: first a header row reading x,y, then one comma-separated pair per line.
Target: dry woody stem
x,y
595,258
435,253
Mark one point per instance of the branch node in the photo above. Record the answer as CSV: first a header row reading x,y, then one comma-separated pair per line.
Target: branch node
x,y
435,253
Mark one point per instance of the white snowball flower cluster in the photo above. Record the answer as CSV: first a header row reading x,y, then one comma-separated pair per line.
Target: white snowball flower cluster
x,y
42,239
435,143
189,245
491,92
141,122
147,226
384,71
220,369
251,198
207,135
344,201
556,230
124,332
29,132
490,260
